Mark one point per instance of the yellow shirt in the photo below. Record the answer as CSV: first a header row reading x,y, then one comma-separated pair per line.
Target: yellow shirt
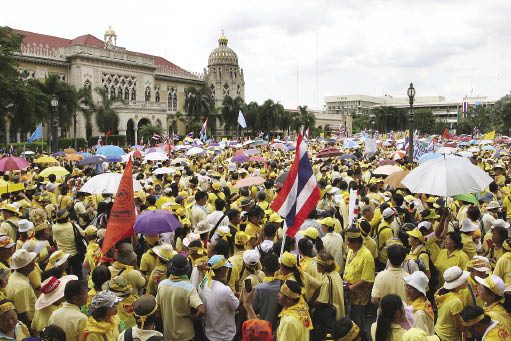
x,y
148,262
291,328
506,205
93,255
503,268
337,298
7,228
396,332
125,311
497,333
370,244
416,254
385,233
433,247
132,276
449,305
444,261
252,230
497,312
20,291
469,247
41,318
158,274
234,273
108,334
64,236
359,266
390,281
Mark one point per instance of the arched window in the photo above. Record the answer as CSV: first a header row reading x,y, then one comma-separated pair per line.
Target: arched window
x,y
133,95
112,92
147,94
226,89
127,94
119,92
172,99
157,93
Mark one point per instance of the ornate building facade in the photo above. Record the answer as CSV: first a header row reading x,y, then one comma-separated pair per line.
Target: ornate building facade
x,y
153,87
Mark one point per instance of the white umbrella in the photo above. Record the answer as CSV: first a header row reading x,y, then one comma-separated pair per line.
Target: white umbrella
x,y
178,160
473,150
106,183
447,176
28,152
194,151
164,170
446,150
156,156
387,170
465,153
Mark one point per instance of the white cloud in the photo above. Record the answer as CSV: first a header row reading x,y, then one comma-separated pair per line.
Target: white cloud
x,y
372,46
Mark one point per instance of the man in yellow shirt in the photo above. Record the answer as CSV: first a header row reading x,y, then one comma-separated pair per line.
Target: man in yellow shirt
x,y
383,234
68,316
358,276
9,226
18,288
253,229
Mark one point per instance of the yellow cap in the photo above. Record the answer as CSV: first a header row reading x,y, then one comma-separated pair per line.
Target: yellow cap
x,y
328,221
288,259
311,232
91,230
241,238
416,234
275,218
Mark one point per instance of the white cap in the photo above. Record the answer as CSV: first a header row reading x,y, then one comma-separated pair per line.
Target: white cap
x,y
388,212
24,225
468,226
251,257
426,224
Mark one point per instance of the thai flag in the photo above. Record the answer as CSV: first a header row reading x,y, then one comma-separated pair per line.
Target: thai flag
x,y
11,150
475,132
190,135
407,141
464,107
300,192
342,131
100,141
307,132
203,135
156,137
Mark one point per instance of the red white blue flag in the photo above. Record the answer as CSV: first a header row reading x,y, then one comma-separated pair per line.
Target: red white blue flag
x,y
300,192
203,130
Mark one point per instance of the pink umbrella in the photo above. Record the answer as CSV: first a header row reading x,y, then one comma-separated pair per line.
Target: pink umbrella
x,y
257,159
250,181
136,153
10,163
239,158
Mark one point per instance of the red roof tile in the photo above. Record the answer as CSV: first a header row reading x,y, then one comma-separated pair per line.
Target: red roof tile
x,y
51,41
88,40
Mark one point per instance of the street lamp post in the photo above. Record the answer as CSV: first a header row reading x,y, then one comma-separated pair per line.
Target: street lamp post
x,y
411,95
54,124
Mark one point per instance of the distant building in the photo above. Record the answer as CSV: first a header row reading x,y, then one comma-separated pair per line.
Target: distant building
x,y
447,111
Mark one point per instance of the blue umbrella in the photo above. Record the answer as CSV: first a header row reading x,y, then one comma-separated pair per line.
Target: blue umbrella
x,y
429,156
487,147
92,160
85,154
110,150
113,159
59,153
350,144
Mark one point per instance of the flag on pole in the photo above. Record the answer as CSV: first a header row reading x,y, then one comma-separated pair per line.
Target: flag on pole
x,y
37,134
11,150
203,135
446,134
307,133
241,120
122,217
300,192
342,131
407,140
100,141
156,137
464,107
475,132
190,135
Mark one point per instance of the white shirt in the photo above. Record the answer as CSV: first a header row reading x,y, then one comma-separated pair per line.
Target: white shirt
x,y
333,244
488,221
221,305
140,334
214,217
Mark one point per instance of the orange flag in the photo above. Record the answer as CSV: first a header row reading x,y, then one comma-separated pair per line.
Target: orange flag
x,y
122,217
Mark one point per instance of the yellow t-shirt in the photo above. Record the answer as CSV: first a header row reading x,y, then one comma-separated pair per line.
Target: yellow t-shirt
x,y
20,291
41,318
503,268
359,266
469,247
497,312
337,298
370,244
449,305
385,233
498,333
291,328
444,261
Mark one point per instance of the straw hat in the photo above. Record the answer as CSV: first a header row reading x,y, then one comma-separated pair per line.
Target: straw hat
x,y
203,227
57,259
479,263
165,251
418,280
493,205
118,285
10,208
52,290
22,258
6,242
455,277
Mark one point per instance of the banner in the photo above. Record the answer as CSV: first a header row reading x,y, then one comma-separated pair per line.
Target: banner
x,y
122,217
37,134
488,136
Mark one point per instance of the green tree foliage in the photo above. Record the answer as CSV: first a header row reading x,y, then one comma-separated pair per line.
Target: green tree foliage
x,y
478,116
424,121
230,111
106,117
147,131
502,115
199,103
388,119
361,121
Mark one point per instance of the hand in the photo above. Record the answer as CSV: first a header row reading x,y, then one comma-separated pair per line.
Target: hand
x,y
247,297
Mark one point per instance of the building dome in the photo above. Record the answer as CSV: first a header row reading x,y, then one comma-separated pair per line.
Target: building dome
x,y
223,55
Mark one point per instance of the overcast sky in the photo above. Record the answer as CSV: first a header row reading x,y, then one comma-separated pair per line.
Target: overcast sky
x,y
298,52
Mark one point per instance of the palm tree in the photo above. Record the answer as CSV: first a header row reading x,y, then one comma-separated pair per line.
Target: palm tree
x,y
251,111
147,131
85,106
230,111
199,105
106,117
174,119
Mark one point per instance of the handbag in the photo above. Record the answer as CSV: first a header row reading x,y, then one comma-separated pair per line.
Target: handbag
x,y
80,243
323,316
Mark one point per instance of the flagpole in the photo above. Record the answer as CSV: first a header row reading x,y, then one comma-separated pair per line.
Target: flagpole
x,y
284,229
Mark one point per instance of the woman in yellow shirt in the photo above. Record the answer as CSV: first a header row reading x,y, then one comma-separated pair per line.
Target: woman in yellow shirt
x,y
10,327
387,326
103,324
424,318
295,321
451,255
503,265
491,290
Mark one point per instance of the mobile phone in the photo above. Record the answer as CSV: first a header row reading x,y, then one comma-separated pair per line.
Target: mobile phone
x,y
248,285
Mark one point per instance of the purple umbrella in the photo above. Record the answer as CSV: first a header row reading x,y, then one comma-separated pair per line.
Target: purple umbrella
x,y
113,158
155,222
240,158
252,151
59,153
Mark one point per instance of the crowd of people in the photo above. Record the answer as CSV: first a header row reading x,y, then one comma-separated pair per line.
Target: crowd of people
x,y
411,266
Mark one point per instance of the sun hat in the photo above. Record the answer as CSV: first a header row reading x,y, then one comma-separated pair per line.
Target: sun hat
x,y
104,298
203,227
431,215
417,334
479,263
165,251
179,265
91,230
455,277
6,242
416,234
118,285
34,245
56,259
468,226
22,258
125,254
223,232
251,257
310,232
52,290
418,280
241,238
500,223
245,202
25,225
388,212
493,205
493,283
257,330
10,208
